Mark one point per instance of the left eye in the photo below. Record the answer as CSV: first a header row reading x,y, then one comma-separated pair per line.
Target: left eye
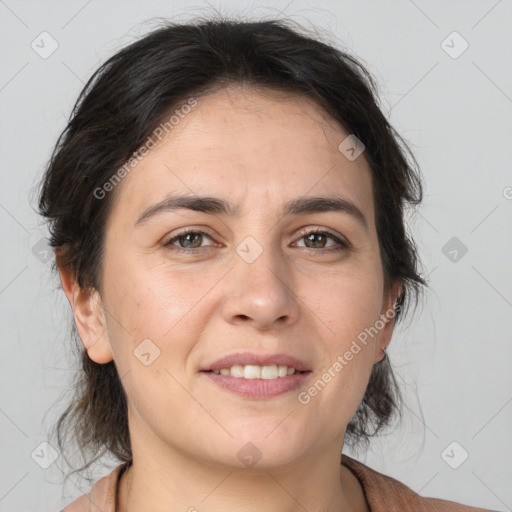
x,y
321,237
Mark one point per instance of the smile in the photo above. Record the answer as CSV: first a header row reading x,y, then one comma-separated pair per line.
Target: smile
x,y
251,371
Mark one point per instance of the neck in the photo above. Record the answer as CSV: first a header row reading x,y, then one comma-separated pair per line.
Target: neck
x,y
174,481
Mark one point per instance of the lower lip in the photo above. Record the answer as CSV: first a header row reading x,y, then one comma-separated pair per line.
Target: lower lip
x,y
258,388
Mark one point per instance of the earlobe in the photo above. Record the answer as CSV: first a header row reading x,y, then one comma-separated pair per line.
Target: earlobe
x,y
89,317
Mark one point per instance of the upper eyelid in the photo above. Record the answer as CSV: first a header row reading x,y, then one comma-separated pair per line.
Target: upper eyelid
x,y
187,231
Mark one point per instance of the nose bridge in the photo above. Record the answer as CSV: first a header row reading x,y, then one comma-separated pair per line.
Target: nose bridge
x,y
266,270
260,290
260,265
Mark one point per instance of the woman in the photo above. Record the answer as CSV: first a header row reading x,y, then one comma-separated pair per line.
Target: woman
x,y
227,208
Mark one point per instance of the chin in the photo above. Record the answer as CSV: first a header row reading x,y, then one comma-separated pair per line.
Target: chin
x,y
261,445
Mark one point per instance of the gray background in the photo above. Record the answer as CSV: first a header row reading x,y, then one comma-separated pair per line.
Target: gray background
x,y
454,358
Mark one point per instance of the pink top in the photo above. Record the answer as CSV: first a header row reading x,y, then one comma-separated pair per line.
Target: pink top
x,y
383,493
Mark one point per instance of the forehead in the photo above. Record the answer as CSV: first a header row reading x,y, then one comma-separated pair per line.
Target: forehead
x,y
240,142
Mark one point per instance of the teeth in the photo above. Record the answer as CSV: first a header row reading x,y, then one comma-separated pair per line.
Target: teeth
x,y
269,372
282,371
235,371
251,371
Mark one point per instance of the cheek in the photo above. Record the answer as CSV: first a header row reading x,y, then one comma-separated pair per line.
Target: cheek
x,y
348,302
334,396
155,328
145,298
350,305
155,303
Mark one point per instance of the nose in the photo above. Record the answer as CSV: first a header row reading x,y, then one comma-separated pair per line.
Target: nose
x,y
261,293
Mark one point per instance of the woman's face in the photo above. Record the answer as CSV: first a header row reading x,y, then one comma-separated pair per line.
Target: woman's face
x,y
250,284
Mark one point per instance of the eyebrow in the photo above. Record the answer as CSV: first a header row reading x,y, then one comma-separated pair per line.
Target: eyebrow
x,y
218,206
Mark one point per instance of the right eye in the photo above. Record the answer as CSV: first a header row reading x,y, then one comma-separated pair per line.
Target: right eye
x,y
189,240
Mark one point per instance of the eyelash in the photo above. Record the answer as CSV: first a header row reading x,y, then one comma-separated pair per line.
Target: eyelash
x,y
168,244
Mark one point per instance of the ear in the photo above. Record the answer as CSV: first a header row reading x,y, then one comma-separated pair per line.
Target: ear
x,y
387,315
89,317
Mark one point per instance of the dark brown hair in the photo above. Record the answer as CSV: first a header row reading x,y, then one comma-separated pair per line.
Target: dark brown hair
x,y
122,104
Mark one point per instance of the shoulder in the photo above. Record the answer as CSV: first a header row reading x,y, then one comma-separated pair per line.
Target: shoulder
x,y
102,496
385,494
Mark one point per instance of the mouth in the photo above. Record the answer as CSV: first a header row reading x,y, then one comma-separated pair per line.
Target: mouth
x,y
251,371
257,376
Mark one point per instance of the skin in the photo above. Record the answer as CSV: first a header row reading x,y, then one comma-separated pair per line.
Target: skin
x,y
258,150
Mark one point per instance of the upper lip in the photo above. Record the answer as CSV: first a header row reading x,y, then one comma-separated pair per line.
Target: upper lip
x,y
247,358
